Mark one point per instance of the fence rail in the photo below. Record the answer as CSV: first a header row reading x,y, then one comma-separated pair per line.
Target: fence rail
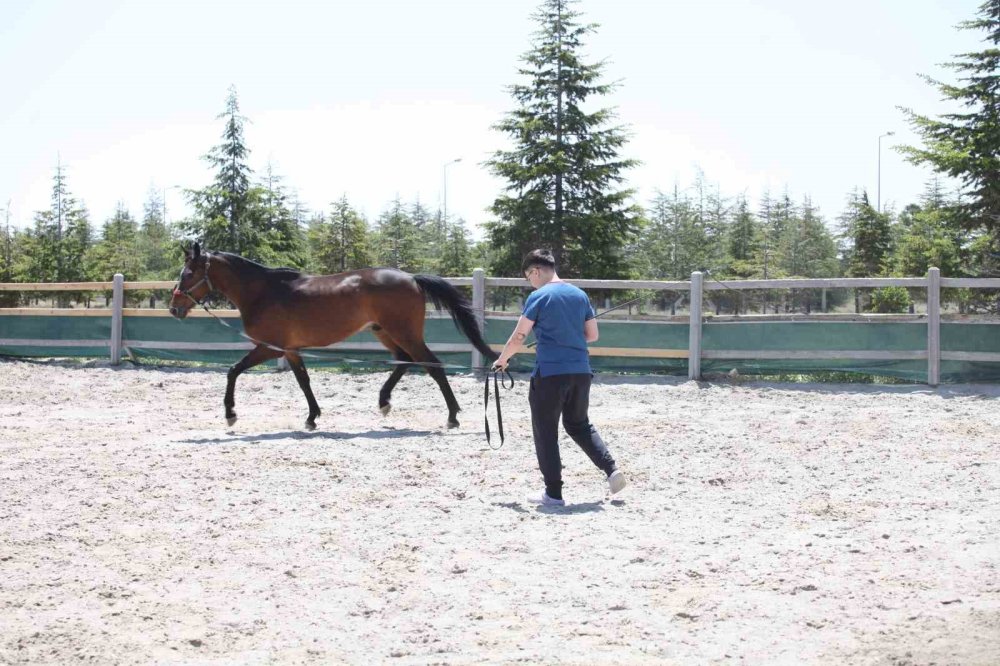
x,y
698,325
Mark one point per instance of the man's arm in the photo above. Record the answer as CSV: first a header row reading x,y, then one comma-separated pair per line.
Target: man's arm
x,y
590,333
516,341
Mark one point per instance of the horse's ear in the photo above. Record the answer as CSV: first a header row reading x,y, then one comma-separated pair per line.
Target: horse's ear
x,y
187,252
196,251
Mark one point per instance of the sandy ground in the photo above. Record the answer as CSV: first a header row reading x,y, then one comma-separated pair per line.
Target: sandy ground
x,y
763,524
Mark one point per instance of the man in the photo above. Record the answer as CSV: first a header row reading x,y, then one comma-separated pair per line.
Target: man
x,y
563,321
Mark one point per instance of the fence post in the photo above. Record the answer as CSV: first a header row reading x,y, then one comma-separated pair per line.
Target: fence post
x,y
479,305
933,326
117,302
694,328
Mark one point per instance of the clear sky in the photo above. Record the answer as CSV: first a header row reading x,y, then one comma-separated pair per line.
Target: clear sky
x,y
371,99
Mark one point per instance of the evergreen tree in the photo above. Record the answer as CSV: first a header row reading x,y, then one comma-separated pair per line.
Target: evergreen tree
x,y
7,249
8,299
928,237
564,170
767,241
966,144
743,242
675,242
221,219
118,249
281,240
340,244
869,238
456,253
806,248
716,215
159,253
429,244
77,242
59,240
396,240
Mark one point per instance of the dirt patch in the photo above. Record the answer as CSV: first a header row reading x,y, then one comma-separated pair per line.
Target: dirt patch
x,y
773,524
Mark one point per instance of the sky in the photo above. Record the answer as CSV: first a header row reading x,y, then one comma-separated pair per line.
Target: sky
x,y
374,100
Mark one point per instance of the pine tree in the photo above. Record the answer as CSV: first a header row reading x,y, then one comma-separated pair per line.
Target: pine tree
x,y
396,239
280,238
159,254
8,299
60,238
7,249
928,237
767,242
675,241
118,249
564,170
743,242
340,243
806,248
966,144
456,253
717,212
77,241
869,238
221,208
429,244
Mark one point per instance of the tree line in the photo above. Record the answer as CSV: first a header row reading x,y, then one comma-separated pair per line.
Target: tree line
x,y
566,190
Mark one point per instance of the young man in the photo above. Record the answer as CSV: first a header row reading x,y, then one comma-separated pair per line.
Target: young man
x,y
563,321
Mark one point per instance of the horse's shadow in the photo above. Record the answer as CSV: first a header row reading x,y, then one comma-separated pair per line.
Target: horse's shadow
x,y
300,435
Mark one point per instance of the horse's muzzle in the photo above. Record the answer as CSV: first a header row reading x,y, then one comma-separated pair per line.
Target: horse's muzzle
x,y
179,311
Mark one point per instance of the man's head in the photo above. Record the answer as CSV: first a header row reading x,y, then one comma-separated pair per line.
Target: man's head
x,y
538,267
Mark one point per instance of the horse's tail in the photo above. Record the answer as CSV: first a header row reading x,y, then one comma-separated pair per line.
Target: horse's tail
x,y
443,294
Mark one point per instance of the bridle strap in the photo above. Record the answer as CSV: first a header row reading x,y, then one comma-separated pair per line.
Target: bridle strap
x,y
205,279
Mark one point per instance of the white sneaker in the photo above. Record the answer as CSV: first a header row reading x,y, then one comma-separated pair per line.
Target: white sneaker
x,y
545,500
617,482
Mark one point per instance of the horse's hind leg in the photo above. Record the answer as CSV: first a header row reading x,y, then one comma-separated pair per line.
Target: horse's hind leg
x,y
256,356
385,395
299,369
420,353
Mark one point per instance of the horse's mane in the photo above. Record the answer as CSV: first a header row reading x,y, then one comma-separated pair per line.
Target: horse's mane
x,y
245,266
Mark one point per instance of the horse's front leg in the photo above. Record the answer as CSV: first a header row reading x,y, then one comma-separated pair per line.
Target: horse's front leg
x,y
256,356
299,368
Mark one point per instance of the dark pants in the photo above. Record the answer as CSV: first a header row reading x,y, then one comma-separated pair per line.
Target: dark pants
x,y
568,396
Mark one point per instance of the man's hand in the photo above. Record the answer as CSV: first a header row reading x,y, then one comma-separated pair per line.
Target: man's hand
x,y
500,364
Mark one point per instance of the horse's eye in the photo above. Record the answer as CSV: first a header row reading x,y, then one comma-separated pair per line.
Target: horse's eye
x,y
187,273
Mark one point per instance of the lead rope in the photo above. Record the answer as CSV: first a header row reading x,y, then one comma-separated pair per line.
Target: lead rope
x,y
497,383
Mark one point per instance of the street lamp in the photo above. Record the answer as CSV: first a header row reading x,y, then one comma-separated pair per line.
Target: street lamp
x,y
444,195
880,169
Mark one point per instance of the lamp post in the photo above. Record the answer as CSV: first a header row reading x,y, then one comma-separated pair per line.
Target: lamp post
x,y
444,194
880,169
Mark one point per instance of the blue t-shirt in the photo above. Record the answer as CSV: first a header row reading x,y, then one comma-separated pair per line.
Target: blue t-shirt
x,y
559,310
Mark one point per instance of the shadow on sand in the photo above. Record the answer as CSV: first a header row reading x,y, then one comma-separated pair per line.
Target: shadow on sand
x,y
299,435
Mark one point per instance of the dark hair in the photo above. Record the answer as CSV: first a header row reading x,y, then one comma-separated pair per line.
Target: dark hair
x,y
541,258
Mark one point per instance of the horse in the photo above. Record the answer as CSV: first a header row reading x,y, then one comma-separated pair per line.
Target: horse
x,y
284,311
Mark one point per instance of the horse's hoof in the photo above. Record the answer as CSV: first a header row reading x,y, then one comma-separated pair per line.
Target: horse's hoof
x,y
230,420
385,409
452,423
310,425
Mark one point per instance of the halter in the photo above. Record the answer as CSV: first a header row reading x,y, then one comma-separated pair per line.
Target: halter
x,y
187,292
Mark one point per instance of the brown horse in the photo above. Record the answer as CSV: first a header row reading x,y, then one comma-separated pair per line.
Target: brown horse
x,y
285,309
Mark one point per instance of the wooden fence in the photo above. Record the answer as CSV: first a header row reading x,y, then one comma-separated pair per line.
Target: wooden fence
x,y
696,320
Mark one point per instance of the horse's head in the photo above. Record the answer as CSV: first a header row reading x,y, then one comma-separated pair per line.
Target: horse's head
x,y
194,285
